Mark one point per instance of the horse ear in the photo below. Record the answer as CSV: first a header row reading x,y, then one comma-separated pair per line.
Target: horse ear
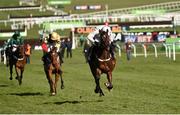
x,y
100,31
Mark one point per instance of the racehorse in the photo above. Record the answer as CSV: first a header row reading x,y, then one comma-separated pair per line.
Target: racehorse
x,y
53,68
17,58
101,61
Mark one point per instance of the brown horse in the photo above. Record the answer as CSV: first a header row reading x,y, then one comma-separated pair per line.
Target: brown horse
x,y
53,68
18,59
102,62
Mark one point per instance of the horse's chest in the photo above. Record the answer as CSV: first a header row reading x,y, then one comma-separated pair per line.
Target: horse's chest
x,y
104,67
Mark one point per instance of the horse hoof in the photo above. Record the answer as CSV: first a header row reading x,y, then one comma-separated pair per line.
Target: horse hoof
x,y
20,82
53,94
10,78
96,90
108,85
62,87
16,78
101,94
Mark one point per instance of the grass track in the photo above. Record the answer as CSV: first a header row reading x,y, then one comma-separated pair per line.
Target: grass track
x,y
140,86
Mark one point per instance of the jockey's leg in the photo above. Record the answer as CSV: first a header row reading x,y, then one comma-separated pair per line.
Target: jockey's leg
x,y
90,52
112,46
46,59
60,57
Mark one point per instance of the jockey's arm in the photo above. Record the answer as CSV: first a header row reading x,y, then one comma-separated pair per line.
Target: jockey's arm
x,y
112,36
21,41
44,47
90,37
10,43
58,45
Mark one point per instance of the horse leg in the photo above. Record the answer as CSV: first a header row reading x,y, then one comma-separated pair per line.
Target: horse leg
x,y
11,71
56,81
98,88
17,74
21,76
48,78
62,82
51,83
109,83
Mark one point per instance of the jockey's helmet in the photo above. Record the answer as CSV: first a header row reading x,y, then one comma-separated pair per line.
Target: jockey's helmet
x,y
55,36
17,33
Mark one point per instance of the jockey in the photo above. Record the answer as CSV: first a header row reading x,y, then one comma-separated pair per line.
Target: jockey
x,y
15,41
92,37
53,41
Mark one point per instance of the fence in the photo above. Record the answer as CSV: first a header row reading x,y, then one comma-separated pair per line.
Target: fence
x,y
20,8
156,49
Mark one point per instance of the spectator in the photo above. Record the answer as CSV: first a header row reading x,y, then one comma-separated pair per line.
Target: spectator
x,y
28,53
62,48
69,48
82,38
128,49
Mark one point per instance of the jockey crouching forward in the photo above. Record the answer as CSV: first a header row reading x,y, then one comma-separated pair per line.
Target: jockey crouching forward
x,y
93,38
53,41
14,42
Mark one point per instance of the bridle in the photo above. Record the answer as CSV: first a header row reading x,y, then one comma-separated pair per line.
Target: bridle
x,y
104,44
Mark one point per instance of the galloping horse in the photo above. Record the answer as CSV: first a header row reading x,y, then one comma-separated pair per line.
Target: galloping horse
x,y
18,59
53,68
102,62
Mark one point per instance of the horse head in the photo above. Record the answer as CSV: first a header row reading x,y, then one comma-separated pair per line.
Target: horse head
x,y
104,39
54,56
21,51
17,51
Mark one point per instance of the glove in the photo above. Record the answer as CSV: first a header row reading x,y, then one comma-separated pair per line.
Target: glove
x,y
96,40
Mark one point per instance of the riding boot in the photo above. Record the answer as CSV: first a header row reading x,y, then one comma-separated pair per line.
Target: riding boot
x,y
112,53
60,57
46,59
90,53
112,50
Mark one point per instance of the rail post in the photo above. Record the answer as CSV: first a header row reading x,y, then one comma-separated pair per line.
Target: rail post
x,y
155,50
145,50
134,47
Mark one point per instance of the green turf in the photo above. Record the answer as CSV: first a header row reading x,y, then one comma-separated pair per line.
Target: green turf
x,y
4,3
140,86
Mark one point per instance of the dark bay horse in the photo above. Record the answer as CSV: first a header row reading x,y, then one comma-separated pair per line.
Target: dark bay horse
x,y
17,58
53,68
102,62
